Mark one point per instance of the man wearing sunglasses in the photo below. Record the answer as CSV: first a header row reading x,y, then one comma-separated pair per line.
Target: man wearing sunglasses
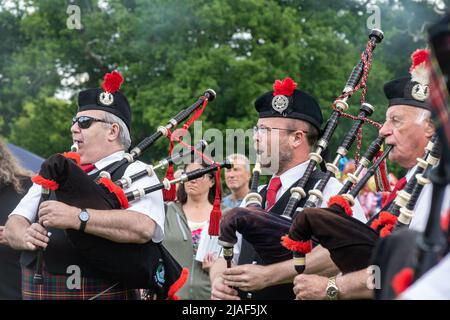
x,y
287,129
101,128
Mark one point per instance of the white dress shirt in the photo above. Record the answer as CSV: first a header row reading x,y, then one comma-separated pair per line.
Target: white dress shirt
x,y
151,205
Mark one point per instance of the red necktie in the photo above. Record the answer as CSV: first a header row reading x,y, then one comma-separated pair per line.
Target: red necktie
x,y
398,186
87,167
271,195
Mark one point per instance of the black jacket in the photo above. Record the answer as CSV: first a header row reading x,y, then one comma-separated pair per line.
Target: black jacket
x,y
10,275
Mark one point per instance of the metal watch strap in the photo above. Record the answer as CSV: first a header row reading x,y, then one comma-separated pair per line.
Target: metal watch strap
x,y
332,284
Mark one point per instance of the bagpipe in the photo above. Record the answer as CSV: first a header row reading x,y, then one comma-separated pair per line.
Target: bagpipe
x,y
133,265
407,255
353,244
349,241
264,229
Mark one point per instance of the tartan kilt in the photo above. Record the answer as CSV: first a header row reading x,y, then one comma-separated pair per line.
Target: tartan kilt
x,y
54,287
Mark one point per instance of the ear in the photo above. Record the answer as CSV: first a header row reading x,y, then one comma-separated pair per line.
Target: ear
x,y
298,138
429,128
113,132
211,181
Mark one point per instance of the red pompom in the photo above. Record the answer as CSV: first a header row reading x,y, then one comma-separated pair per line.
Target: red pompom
x,y
45,183
297,246
386,230
285,87
112,82
177,285
72,155
341,202
375,224
402,280
113,188
387,218
418,57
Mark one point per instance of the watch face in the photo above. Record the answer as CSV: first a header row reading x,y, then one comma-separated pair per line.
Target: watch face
x,y
84,216
332,292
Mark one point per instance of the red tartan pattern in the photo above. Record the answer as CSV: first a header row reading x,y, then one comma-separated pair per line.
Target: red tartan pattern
x,y
54,287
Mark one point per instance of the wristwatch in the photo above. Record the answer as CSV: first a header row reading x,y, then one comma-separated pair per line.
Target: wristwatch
x,y
332,290
84,218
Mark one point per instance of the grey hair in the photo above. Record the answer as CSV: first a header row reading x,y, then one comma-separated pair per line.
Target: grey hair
x,y
125,139
242,160
423,115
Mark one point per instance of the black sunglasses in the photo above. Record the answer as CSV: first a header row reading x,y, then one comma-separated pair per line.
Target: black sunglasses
x,y
84,122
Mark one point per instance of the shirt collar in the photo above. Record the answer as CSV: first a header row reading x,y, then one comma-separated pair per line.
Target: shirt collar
x,y
103,163
290,176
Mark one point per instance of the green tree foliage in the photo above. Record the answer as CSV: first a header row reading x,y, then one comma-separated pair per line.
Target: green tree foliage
x,y
170,51
40,127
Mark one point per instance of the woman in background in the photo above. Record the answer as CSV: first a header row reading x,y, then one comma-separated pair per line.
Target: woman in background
x,y
14,182
186,233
